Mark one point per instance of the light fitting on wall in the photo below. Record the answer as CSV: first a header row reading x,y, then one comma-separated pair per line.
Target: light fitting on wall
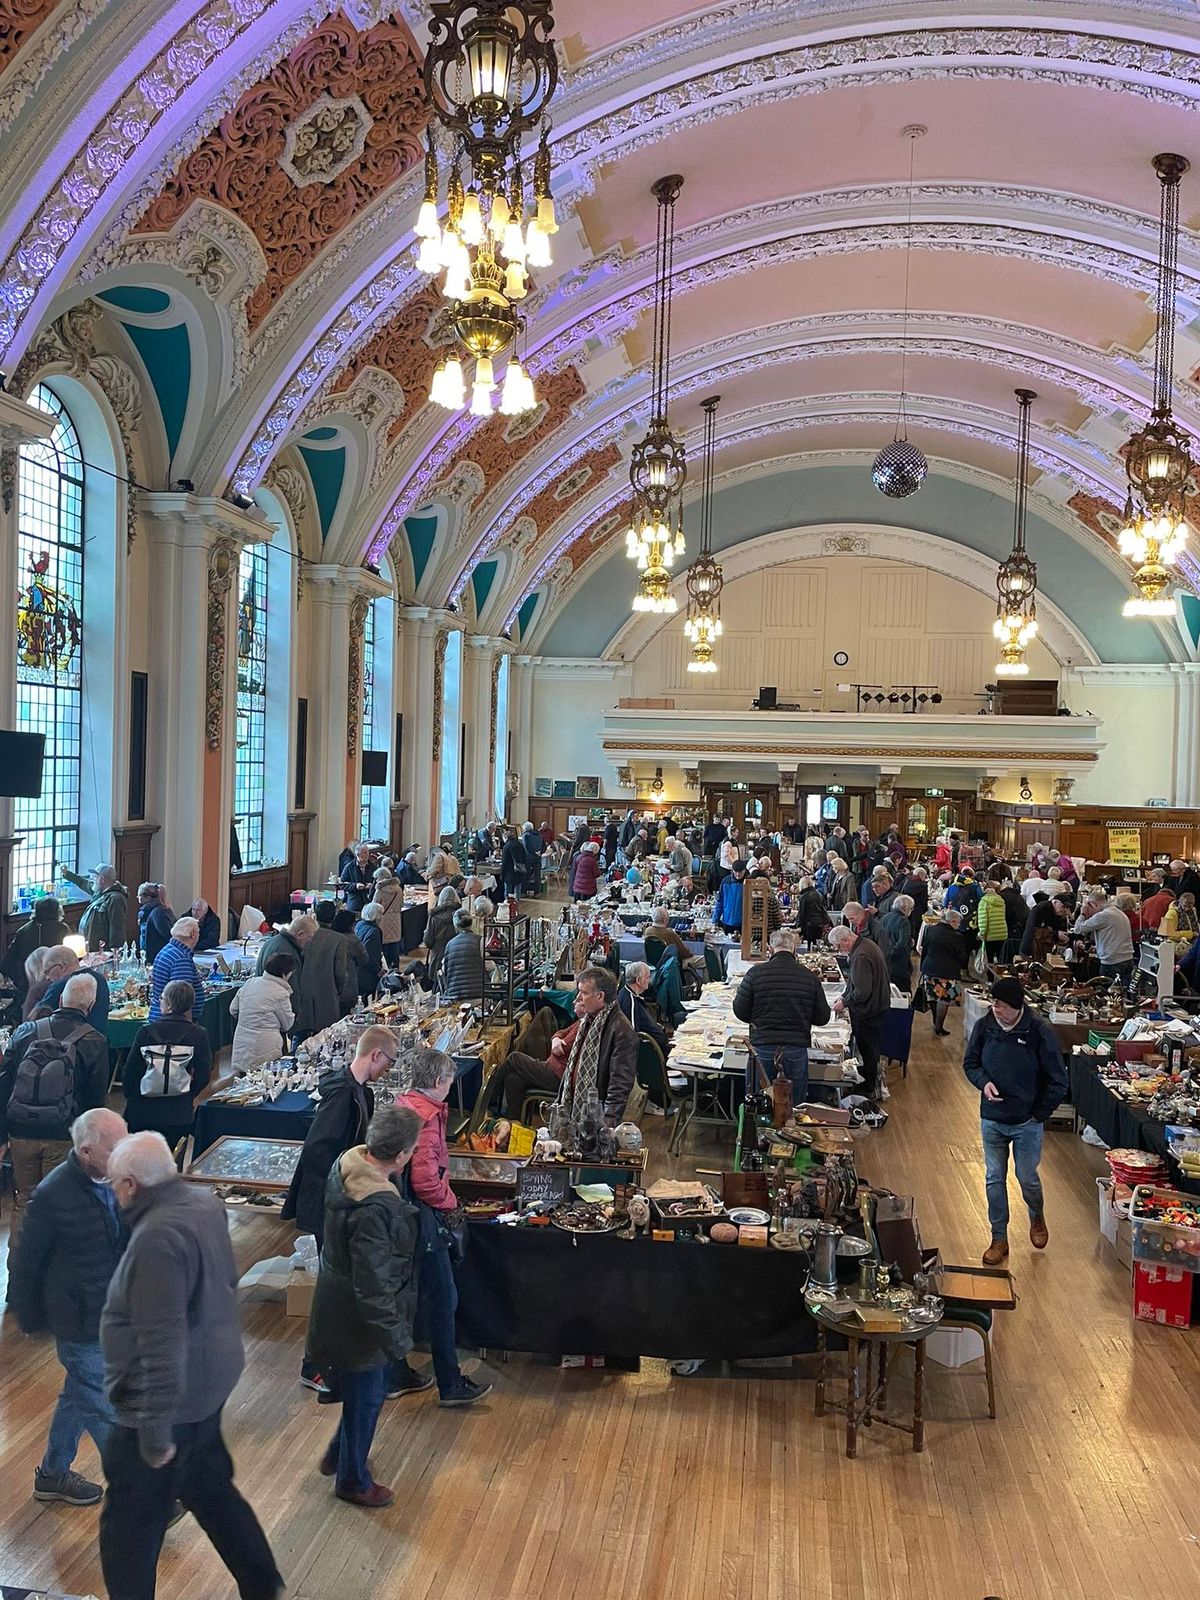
x,y
1158,460
657,467
490,72
1026,791
1016,576
705,580
899,469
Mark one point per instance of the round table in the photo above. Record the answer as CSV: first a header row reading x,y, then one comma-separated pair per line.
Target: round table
x,y
864,1402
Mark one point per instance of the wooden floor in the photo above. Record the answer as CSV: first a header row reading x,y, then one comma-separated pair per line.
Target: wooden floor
x,y
593,1486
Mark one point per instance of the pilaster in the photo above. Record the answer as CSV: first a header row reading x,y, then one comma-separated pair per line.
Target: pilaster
x,y
520,719
195,548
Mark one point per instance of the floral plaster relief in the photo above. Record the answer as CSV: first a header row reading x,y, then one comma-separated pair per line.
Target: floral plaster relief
x,y
240,164
20,20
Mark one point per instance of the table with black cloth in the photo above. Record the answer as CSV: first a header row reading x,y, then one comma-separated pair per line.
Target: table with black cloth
x,y
1120,1124
543,1291
412,927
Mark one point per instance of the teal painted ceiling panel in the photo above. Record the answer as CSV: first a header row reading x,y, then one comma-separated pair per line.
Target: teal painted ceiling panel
x,y
420,532
528,607
482,579
327,469
1191,616
166,354
132,297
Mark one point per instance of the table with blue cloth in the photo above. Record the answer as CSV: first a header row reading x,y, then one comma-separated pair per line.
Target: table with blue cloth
x,y
631,948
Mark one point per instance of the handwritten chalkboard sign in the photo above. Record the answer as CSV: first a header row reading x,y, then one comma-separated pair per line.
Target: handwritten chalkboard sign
x,y
543,1184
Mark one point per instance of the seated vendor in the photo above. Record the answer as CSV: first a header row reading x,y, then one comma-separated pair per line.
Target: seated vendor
x,y
631,1000
660,928
522,1073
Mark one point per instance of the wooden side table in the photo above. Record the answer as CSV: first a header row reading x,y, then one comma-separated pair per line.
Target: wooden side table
x,y
866,1397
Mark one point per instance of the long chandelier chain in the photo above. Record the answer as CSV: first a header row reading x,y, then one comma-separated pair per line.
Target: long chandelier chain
x,y
664,260
1025,398
913,133
706,495
1168,266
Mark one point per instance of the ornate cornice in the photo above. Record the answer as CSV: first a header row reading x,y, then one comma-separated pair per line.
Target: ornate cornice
x,y
38,33
818,752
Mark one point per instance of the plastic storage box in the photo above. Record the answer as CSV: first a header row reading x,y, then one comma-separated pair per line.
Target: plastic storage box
x,y
1166,1228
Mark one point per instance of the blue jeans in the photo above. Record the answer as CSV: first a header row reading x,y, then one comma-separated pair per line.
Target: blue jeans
x,y
437,1301
794,1058
1026,1141
1119,969
362,1401
82,1406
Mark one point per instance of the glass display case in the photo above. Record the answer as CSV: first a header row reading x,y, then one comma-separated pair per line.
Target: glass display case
x,y
263,1165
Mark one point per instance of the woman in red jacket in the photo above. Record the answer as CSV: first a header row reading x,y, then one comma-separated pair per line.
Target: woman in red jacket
x,y
585,872
432,1079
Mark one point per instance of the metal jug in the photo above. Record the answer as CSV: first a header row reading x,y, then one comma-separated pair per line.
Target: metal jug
x,y
824,1268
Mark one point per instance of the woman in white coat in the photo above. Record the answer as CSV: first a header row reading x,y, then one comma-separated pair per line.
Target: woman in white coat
x,y
389,897
263,1008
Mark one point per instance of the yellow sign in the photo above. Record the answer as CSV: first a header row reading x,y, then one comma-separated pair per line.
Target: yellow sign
x,y
1125,847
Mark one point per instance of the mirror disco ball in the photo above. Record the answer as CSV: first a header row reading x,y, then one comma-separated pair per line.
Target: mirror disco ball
x,y
899,469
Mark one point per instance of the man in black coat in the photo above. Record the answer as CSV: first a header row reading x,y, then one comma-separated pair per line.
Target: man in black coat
x,y
346,1105
781,1000
357,878
71,1242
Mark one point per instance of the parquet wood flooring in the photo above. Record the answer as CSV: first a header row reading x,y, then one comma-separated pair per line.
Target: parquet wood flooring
x,y
591,1485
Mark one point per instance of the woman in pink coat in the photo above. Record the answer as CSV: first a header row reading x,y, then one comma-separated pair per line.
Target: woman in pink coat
x,y
433,1077
585,874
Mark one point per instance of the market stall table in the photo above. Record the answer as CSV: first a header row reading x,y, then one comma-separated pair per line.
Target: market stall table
x,y
542,1291
1119,1123
215,1017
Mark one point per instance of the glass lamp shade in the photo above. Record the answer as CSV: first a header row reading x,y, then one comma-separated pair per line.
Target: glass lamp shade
x,y
489,50
899,469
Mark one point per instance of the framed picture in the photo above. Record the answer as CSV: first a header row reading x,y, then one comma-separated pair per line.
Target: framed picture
x,y
543,788
564,789
587,788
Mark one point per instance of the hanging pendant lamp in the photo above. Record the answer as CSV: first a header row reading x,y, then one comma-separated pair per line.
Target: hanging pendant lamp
x,y
1016,577
705,579
899,469
1158,459
657,467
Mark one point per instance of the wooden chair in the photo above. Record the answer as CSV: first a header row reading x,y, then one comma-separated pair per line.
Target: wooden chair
x,y
712,965
655,949
975,1319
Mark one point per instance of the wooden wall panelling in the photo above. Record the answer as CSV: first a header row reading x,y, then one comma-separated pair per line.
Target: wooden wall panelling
x,y
297,848
131,857
268,889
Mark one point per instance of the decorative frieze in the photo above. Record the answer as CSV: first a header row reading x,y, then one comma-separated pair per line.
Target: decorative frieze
x,y
222,564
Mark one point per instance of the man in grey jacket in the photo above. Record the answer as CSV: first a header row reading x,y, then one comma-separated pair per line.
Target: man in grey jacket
x,y
172,1348
867,999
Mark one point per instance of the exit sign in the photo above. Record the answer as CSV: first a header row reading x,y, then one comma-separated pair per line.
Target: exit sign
x,y
935,794
836,788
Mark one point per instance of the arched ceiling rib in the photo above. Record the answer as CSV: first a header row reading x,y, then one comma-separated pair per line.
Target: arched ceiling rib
x,y
1034,236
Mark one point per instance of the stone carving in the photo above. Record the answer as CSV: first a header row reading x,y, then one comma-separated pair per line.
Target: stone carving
x,y
1060,791
439,689
291,485
624,777
354,689
691,778
240,164
569,487
1099,514
222,564
20,20
111,149
846,544
9,458
985,789
521,537
68,345
512,784
325,140
463,487
399,349
495,705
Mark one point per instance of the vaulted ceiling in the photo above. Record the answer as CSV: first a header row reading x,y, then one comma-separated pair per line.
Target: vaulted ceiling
x,y
255,166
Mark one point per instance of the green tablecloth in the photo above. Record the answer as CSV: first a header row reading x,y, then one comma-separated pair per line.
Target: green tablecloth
x,y
214,1018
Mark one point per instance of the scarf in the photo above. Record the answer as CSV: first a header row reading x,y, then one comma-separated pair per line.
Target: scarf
x,y
581,1077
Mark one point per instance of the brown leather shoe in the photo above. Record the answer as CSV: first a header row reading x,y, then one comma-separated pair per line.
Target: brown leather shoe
x,y
1039,1234
374,1498
996,1253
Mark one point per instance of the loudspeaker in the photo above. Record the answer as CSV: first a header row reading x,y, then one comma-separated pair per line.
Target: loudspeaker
x,y
301,755
767,699
374,769
21,758
396,751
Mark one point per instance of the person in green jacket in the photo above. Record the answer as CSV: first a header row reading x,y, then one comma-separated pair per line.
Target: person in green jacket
x,y
991,921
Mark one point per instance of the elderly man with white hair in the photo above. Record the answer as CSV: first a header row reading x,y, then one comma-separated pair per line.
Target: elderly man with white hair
x,y
103,924
53,1069
175,963
172,1344
71,1241
635,981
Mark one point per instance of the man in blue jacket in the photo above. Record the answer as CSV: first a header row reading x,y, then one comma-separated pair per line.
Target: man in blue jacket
x,y
1013,1059
728,910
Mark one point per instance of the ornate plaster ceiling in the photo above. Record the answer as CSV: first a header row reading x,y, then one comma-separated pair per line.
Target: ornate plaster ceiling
x,y
260,159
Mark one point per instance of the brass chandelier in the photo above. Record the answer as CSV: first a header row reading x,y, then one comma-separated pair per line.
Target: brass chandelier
x,y
1016,576
657,468
1158,461
490,72
705,579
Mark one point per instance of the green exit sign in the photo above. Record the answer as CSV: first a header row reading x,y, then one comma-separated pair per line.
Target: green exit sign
x,y
935,794
836,788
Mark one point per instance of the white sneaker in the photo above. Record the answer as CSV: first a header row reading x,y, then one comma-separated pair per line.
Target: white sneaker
x,y
651,1110
884,1092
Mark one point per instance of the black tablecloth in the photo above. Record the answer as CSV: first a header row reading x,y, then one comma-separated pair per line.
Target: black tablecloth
x,y
544,1291
1121,1125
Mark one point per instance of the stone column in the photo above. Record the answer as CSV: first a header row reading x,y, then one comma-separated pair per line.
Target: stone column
x,y
338,599
196,544
423,627
1186,762
487,743
18,423
520,720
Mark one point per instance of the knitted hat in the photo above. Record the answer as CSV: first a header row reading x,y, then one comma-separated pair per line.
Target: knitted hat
x,y
1009,992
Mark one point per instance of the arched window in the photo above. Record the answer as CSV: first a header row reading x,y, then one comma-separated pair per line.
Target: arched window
x,y
50,551
250,759
374,820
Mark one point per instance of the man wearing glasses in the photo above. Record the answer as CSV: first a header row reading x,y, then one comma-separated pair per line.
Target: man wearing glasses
x,y
346,1106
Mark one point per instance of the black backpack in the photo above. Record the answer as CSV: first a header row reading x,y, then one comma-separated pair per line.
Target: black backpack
x,y
43,1092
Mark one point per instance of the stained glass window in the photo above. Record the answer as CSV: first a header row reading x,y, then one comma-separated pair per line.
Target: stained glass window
x,y
50,542
366,794
250,761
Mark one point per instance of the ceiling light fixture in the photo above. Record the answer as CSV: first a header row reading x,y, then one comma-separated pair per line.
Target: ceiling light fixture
x,y
1016,576
899,469
657,467
511,72
1158,460
705,579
